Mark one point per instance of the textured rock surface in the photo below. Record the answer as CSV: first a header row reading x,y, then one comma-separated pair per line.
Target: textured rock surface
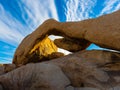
x,y
83,70
35,76
8,67
55,55
1,70
40,52
44,47
72,45
99,56
103,31
67,72
1,87
90,69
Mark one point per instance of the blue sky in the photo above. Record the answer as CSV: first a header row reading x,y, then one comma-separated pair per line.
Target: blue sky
x,y
18,18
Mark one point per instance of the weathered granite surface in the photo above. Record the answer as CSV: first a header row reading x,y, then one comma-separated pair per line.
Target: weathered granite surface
x,y
81,70
101,72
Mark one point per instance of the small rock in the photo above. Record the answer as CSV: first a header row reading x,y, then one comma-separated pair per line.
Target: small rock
x,y
1,70
55,55
9,67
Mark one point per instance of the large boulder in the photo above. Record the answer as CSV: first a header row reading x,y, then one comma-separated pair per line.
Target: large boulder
x,y
37,76
97,71
69,72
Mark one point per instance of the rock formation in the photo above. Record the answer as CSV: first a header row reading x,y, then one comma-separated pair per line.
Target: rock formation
x,y
42,50
99,70
103,31
37,65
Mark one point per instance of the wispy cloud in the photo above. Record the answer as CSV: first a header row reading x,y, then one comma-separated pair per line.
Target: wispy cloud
x,y
6,52
9,28
79,9
39,10
12,30
33,13
110,6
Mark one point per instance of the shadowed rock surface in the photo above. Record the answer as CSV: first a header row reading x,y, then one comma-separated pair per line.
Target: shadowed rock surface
x,y
72,70
9,67
1,69
81,70
1,87
72,45
35,76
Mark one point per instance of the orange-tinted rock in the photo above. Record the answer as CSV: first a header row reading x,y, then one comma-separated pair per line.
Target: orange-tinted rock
x,y
38,53
44,47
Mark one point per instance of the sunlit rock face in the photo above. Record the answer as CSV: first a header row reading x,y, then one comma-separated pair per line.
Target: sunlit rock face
x,y
42,50
44,47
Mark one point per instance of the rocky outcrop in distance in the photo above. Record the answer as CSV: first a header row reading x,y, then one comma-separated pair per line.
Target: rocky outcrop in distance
x,y
37,65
